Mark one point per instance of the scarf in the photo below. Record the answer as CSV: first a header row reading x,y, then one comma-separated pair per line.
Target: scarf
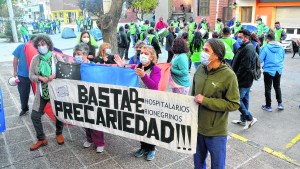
x,y
44,67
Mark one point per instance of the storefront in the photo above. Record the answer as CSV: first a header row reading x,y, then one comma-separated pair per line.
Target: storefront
x,y
67,16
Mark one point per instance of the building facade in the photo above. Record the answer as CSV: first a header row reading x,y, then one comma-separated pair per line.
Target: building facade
x,y
35,10
67,10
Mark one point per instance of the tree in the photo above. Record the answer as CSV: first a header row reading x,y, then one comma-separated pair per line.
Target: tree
x,y
93,7
4,11
143,7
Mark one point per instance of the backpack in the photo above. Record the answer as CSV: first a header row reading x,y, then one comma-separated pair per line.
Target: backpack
x,y
256,72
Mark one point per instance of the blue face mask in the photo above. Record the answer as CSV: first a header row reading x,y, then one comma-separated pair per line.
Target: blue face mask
x,y
277,27
205,58
78,59
108,51
239,41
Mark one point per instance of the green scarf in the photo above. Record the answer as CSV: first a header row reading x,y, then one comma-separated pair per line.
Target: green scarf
x,y
44,68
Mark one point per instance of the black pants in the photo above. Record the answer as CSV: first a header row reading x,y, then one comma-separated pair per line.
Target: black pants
x,y
121,52
261,39
268,79
126,51
24,91
147,147
37,122
170,56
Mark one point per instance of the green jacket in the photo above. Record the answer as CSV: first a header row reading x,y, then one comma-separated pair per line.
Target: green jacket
x,y
221,96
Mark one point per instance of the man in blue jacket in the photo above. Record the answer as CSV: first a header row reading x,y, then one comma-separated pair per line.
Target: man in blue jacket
x,y
272,55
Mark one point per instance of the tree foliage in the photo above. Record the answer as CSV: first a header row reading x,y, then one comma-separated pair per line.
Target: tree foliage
x,y
93,7
4,9
143,7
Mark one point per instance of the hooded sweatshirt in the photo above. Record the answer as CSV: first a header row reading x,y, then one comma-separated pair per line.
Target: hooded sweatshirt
x,y
221,96
272,55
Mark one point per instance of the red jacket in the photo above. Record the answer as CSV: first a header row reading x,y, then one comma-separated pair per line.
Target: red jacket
x,y
160,25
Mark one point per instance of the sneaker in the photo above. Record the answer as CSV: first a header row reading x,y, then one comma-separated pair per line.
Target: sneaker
x,y
250,123
60,139
23,113
280,106
100,149
239,122
139,153
87,144
150,155
269,109
38,144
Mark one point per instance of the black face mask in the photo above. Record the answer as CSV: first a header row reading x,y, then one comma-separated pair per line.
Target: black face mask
x,y
138,52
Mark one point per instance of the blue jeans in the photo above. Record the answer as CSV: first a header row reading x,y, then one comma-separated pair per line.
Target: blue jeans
x,y
244,101
196,64
25,38
78,28
216,146
133,39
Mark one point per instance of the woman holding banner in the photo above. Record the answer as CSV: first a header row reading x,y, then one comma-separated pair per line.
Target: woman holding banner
x,y
104,55
215,88
42,71
150,76
180,80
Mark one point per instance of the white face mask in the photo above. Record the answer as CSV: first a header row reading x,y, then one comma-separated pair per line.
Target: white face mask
x,y
43,50
204,58
144,59
78,59
85,40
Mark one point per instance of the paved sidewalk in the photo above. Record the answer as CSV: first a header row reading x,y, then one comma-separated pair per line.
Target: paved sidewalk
x,y
20,134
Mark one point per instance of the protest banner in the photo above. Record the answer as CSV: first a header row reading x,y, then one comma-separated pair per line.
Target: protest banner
x,y
164,119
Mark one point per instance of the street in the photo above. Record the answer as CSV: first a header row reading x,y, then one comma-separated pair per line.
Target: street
x,y
273,142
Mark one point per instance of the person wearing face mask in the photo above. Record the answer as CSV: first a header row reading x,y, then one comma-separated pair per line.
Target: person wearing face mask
x,y
160,25
81,52
243,64
42,71
104,55
262,29
85,37
280,34
150,75
169,42
138,48
215,88
237,27
180,80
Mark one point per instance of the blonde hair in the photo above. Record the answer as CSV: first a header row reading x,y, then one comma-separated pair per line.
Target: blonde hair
x,y
101,47
152,52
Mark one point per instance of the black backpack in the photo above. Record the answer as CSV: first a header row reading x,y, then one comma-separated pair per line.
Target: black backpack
x,y
256,72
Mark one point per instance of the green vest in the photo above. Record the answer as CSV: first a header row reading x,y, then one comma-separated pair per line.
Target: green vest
x,y
142,36
41,25
278,34
228,42
150,38
218,27
132,29
260,29
90,22
175,24
237,28
204,26
191,26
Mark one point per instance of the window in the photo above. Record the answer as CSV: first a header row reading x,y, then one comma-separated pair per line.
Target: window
x,y
246,14
203,7
290,30
298,31
29,16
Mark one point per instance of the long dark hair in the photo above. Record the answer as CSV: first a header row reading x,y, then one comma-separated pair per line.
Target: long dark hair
x,y
84,32
218,48
197,41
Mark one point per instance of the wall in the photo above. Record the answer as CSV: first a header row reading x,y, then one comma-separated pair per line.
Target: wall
x,y
246,3
164,9
187,4
266,12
